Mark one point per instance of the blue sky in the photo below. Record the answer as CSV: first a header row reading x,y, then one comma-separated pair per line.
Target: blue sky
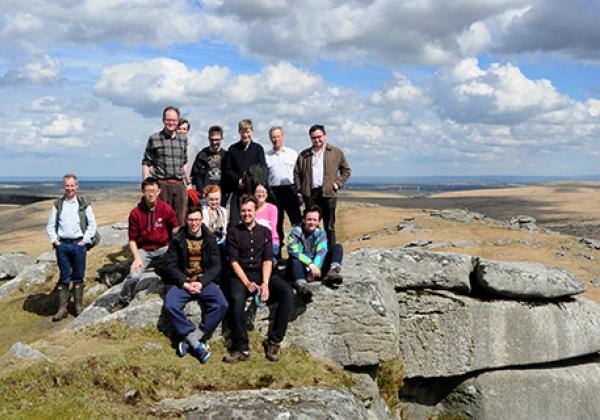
x,y
503,87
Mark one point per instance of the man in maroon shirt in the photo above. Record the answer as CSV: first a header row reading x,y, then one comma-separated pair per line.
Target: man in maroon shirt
x,y
150,225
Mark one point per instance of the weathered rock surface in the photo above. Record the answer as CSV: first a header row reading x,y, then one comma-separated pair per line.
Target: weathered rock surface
x,y
526,280
459,215
522,222
25,351
411,269
49,256
298,403
29,275
12,263
444,334
109,235
563,391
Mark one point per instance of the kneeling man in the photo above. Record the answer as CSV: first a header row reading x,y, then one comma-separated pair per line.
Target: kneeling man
x,y
192,266
250,253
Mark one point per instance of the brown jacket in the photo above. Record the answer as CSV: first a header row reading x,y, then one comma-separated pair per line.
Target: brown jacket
x,y
336,170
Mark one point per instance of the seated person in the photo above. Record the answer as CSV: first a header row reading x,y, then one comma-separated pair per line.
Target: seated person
x,y
192,266
214,215
266,214
150,225
308,254
250,253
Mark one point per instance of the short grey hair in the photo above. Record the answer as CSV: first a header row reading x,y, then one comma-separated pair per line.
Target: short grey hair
x,y
275,128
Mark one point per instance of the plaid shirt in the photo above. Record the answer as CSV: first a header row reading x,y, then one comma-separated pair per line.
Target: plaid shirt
x,y
167,155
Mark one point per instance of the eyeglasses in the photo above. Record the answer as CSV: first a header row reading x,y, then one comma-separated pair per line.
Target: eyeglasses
x,y
317,137
194,220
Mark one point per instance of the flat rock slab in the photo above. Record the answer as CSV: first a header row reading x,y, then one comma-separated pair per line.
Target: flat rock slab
x,y
526,280
567,391
109,236
298,403
444,334
29,275
11,264
411,268
25,351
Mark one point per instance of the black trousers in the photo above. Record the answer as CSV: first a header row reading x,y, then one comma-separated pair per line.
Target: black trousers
x,y
279,291
327,205
286,200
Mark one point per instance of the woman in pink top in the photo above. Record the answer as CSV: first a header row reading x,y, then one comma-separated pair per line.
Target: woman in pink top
x,y
266,214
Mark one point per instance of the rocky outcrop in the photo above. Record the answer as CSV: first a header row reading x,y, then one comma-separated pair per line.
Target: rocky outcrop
x,y
444,334
558,391
25,351
526,280
524,223
411,269
299,403
29,275
459,215
12,263
111,235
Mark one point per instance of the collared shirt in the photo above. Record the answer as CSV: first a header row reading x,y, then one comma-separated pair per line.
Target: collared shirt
x,y
318,168
69,226
249,247
281,166
167,155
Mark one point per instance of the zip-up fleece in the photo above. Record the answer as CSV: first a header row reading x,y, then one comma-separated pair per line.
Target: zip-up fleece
x,y
151,229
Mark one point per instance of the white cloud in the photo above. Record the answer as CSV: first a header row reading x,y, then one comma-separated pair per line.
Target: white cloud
x,y
61,126
43,71
45,104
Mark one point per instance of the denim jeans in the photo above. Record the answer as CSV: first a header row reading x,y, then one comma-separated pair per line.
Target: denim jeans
x,y
297,271
71,262
211,301
128,290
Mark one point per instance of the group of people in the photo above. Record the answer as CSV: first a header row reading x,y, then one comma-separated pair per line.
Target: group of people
x,y
217,230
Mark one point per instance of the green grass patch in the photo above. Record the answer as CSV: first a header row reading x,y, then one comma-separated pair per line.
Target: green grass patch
x,y
118,377
390,379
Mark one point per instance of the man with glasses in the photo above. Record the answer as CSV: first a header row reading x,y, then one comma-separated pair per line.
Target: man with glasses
x,y
165,158
320,172
151,223
207,166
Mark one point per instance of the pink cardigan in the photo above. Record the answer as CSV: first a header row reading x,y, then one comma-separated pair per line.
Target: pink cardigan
x,y
268,217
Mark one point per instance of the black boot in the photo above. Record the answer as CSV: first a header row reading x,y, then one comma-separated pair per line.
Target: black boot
x,y
78,297
63,301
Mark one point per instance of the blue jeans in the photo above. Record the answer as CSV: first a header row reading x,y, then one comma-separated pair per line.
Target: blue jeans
x,y
211,300
71,262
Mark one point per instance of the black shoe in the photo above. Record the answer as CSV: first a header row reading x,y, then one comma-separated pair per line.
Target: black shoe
x,y
304,292
271,350
333,277
237,356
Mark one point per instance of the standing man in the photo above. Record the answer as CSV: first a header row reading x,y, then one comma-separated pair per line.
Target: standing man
x,y
150,225
241,156
250,253
207,168
320,171
280,162
192,266
165,158
71,228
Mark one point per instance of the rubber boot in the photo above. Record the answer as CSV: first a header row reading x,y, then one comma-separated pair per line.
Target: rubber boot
x,y
63,301
78,297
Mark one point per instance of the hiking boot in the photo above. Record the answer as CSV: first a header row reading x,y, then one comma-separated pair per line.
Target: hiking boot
x,y
333,276
202,352
63,300
118,307
271,350
304,292
183,347
78,297
237,356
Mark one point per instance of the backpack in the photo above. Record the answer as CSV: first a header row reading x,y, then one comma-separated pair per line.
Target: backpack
x,y
254,175
83,222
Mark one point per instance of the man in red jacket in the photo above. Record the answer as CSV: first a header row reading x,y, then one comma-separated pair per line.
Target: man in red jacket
x,y
150,225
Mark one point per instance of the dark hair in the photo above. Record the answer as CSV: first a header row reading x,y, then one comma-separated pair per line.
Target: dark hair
x,y
247,198
315,128
215,129
184,121
193,209
171,108
150,181
312,209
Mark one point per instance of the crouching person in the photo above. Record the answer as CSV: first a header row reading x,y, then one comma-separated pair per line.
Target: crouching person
x,y
250,253
192,266
309,257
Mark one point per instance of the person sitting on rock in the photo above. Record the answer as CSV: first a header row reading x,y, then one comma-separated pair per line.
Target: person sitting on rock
x,y
214,215
250,253
150,225
191,267
309,257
